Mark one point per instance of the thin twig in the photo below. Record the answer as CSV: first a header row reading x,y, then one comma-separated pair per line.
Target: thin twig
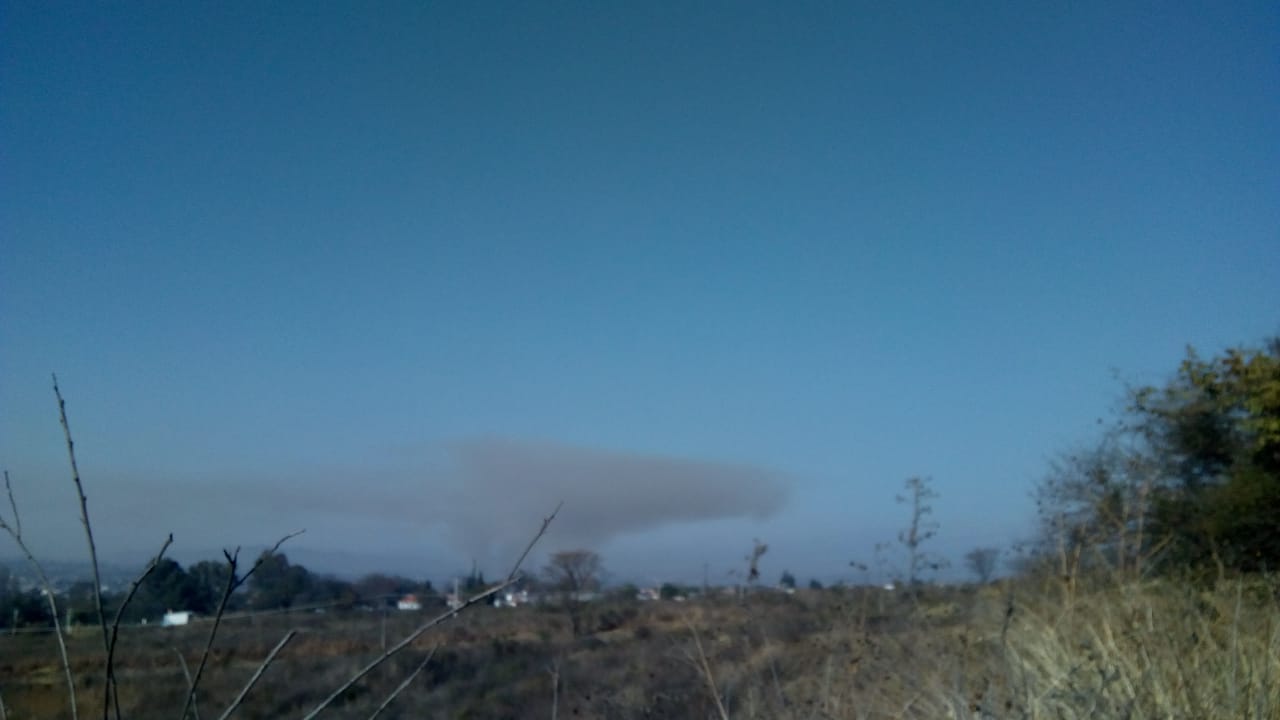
x,y
770,656
400,688
482,597
233,559
512,577
110,692
546,522
233,582
773,670
16,533
554,671
254,680
705,667
84,520
186,672
17,519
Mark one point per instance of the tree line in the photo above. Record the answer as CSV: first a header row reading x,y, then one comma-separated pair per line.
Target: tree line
x,y
277,584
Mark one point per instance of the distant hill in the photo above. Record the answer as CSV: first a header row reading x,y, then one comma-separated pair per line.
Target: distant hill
x,y
344,564
63,573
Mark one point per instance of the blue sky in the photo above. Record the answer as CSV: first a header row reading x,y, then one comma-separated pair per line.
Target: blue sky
x,y
330,266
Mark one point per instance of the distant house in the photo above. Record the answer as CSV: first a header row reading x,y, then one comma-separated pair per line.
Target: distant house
x,y
649,594
409,602
172,618
512,599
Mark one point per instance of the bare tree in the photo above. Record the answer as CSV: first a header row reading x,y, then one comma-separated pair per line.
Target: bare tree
x,y
1093,505
572,573
575,571
921,530
982,562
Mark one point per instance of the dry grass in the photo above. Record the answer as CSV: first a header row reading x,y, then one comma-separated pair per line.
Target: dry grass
x,y
1157,650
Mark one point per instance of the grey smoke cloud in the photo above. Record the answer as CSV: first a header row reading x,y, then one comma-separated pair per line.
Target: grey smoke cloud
x,y
500,488
478,499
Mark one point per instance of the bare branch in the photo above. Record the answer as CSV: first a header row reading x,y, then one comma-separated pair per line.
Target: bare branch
x,y
47,587
512,577
263,557
479,598
84,520
546,522
705,668
554,670
186,672
17,519
261,669
110,691
233,559
233,581
400,688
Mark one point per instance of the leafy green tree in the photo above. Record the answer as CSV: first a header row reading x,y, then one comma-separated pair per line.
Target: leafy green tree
x,y
168,587
13,602
80,603
19,607
1187,479
327,590
277,584
379,589
209,581
787,580
1216,430
474,583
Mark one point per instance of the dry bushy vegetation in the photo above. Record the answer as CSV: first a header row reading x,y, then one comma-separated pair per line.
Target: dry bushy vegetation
x,y
1014,650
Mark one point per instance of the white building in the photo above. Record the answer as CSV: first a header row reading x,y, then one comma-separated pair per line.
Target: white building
x,y
512,599
172,618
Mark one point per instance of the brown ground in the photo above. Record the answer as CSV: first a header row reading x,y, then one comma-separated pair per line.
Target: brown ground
x,y
817,654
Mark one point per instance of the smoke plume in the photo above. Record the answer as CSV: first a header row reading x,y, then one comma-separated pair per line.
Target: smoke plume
x,y
499,489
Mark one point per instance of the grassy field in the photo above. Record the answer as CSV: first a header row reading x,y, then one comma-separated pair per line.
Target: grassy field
x,y
1015,650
